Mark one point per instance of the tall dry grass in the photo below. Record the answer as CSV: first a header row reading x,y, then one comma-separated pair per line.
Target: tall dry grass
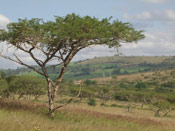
x,y
20,116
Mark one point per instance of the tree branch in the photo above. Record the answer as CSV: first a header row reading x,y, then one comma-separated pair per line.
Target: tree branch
x,y
21,63
39,62
54,65
70,100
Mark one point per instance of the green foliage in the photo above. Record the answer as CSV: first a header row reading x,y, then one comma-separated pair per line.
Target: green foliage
x,y
169,84
28,85
78,30
140,85
10,78
116,71
163,107
90,82
4,88
2,75
123,85
122,97
92,102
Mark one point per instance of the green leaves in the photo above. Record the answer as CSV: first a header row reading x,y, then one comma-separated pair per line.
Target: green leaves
x,y
27,85
71,30
3,85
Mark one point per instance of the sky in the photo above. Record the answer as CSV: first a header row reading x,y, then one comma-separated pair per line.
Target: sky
x,y
155,17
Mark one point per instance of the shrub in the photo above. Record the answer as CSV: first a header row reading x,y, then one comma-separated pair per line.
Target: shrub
x,y
92,102
140,85
90,82
4,88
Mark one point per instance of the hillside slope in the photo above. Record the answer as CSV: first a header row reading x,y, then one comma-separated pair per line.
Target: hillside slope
x,y
107,66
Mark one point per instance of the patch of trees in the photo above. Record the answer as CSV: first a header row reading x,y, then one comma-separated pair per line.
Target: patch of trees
x,y
90,82
28,86
162,108
22,86
169,84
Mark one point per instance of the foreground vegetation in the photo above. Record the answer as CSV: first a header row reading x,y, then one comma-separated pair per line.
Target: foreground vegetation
x,y
19,116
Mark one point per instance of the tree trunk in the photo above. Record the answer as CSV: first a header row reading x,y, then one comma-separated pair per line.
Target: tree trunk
x,y
28,97
20,96
52,93
50,97
157,112
36,97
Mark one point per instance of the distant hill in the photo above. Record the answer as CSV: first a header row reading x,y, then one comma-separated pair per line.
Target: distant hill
x,y
126,59
107,66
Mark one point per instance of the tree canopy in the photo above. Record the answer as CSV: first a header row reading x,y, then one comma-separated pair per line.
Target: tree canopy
x,y
66,34
28,85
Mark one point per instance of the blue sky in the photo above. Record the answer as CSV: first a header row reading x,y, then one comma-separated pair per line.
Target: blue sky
x,y
156,17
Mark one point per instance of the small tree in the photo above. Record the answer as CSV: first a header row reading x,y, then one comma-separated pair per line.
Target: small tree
x,y
92,102
140,85
3,88
90,82
163,108
104,95
2,75
61,40
28,85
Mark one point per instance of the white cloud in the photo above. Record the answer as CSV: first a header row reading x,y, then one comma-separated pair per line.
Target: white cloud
x,y
156,43
88,53
3,21
170,14
165,15
95,51
155,1
24,57
141,16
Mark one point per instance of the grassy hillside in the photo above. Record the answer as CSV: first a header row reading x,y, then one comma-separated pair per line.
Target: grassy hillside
x,y
107,66
126,60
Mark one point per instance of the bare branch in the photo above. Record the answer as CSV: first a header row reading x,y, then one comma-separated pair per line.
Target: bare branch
x,y
39,62
61,56
21,63
54,65
51,56
70,100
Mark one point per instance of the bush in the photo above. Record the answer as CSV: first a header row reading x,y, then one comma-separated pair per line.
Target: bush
x,y
122,97
140,85
4,88
90,82
28,85
169,84
92,102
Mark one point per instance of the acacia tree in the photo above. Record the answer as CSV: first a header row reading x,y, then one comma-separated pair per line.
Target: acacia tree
x,y
28,85
4,88
61,40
